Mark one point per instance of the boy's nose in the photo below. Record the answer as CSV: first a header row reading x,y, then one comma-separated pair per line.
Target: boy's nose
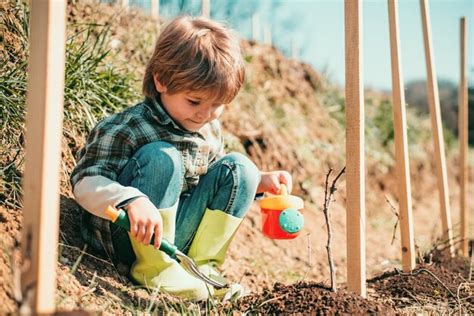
x,y
204,114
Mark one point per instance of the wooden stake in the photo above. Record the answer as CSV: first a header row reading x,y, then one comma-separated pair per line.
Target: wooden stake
x,y
125,4
206,6
463,140
401,144
433,101
155,9
43,152
255,27
267,34
355,144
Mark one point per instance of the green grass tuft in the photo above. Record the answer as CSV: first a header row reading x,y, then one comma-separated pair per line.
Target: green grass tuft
x,y
93,89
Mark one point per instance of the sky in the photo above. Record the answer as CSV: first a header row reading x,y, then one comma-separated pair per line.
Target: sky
x,y
321,38
316,27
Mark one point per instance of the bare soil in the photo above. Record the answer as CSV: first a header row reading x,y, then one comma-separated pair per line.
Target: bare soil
x,y
437,287
441,286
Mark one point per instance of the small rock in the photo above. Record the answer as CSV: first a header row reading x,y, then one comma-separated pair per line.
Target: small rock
x,y
64,260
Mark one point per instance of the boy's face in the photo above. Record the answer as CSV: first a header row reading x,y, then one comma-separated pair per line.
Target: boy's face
x,y
190,109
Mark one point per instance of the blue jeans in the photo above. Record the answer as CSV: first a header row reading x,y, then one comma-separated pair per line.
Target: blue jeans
x,y
229,185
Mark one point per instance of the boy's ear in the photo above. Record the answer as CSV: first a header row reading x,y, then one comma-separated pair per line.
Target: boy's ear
x,y
158,86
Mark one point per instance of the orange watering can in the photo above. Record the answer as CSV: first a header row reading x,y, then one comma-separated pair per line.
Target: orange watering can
x,y
282,215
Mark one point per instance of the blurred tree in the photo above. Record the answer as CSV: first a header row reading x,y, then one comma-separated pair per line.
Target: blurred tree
x,y
171,8
415,95
238,14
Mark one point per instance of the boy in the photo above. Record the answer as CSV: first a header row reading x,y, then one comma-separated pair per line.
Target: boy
x,y
162,161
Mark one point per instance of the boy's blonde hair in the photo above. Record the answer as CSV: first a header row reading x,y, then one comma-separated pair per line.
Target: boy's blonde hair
x,y
196,54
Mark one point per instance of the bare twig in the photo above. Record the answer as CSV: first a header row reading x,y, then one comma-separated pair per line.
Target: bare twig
x,y
460,286
86,253
421,259
310,258
412,296
471,264
272,299
328,193
394,211
430,259
79,259
90,289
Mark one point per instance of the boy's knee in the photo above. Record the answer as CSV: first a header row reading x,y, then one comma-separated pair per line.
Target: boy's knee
x,y
160,156
248,171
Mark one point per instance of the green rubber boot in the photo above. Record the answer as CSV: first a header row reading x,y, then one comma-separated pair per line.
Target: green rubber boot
x,y
155,269
210,244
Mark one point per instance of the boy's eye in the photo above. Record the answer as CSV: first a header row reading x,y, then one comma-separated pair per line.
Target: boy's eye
x,y
194,102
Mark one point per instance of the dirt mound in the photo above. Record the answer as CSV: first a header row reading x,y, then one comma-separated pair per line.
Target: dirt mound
x,y
309,297
441,287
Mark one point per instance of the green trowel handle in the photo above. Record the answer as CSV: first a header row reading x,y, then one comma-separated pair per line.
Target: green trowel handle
x,y
165,246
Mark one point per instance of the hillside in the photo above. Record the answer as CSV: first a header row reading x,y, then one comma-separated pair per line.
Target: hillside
x,y
287,116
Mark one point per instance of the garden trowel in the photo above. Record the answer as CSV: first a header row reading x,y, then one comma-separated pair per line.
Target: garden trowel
x,y
120,218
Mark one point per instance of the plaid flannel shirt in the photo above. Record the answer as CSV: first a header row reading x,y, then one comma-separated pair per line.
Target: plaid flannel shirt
x,y
114,140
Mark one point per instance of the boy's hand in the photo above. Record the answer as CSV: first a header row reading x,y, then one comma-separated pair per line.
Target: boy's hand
x,y
270,181
145,220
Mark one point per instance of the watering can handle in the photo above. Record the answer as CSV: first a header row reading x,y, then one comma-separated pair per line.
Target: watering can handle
x,y
283,189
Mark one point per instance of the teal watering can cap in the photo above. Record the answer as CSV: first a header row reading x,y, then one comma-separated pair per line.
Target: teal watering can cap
x,y
291,220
